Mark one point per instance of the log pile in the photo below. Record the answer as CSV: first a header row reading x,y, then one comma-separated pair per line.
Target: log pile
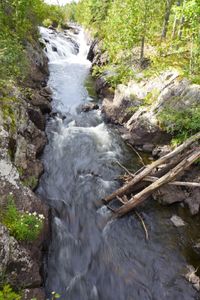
x,y
151,177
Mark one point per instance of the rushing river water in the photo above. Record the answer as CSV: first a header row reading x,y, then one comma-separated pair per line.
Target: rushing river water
x,y
90,257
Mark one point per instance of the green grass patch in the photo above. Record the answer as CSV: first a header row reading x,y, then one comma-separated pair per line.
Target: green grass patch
x,y
7,293
24,226
180,123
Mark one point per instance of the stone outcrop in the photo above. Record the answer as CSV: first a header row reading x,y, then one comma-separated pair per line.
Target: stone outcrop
x,y
138,105
136,108
22,140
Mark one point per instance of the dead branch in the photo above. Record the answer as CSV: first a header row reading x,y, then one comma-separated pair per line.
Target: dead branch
x,y
146,171
137,153
141,196
143,224
177,183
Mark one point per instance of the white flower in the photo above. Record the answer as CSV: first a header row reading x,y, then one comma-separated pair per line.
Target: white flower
x,y
34,214
41,217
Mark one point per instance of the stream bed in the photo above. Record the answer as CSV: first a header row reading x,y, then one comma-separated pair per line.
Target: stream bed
x,y
91,257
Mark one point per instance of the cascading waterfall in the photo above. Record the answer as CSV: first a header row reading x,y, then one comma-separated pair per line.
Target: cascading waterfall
x,y
91,257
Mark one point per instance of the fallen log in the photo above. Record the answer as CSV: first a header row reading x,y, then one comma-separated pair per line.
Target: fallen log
x,y
177,183
154,178
146,171
144,194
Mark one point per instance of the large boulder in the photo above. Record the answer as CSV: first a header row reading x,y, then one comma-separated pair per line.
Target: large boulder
x,y
17,265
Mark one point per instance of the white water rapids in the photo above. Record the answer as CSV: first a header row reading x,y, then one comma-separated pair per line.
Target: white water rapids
x,y
91,258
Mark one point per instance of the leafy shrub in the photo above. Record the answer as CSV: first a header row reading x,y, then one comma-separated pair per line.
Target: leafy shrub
x,y
181,124
8,294
23,226
47,22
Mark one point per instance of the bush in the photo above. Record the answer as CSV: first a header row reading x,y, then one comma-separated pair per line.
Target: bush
x,y
8,294
47,22
23,226
181,124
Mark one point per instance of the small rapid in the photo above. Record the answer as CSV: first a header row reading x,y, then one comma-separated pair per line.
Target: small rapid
x,y
91,257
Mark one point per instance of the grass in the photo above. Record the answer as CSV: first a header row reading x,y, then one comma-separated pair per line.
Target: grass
x,y
24,226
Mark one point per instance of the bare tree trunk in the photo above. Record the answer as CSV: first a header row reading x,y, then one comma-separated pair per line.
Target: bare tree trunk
x,y
144,33
166,18
182,21
142,50
129,186
176,21
144,194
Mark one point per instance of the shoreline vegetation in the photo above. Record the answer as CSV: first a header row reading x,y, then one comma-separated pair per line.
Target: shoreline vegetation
x,y
24,101
142,39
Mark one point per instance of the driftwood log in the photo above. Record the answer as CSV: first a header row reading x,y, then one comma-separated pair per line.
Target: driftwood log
x,y
177,167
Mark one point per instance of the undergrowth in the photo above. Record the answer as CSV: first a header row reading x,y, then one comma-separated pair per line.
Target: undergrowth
x,y
24,226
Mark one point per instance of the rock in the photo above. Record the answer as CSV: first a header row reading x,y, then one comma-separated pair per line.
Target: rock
x,y
177,221
196,248
38,65
89,106
91,52
192,277
52,28
148,148
37,293
16,262
54,48
120,108
41,102
37,118
74,43
160,151
46,91
193,201
169,194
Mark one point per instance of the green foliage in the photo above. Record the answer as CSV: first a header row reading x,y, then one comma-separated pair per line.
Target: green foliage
x,y
19,20
30,182
47,22
55,15
181,123
8,294
23,226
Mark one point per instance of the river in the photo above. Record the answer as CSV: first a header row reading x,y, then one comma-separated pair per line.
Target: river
x,y
91,257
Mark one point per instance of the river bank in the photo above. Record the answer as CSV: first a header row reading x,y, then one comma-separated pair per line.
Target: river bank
x,y
141,111
23,109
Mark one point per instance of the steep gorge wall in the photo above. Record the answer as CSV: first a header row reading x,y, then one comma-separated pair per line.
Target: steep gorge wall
x,y
23,110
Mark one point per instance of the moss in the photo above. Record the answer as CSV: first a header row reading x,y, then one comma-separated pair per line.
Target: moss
x,y
30,182
151,97
9,117
181,124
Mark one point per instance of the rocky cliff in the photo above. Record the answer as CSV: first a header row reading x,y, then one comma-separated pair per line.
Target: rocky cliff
x,y
136,108
22,139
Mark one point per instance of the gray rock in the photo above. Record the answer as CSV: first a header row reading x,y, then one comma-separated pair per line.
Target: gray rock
x,y
37,118
169,194
89,106
192,277
41,102
177,221
148,147
37,293
16,262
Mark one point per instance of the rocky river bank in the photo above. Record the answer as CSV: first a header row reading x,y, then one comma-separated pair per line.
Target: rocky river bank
x,y
23,109
135,110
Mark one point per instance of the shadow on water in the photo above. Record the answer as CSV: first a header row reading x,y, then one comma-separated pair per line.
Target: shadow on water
x,y
91,256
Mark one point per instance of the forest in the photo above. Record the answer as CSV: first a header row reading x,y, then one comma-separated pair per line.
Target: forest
x,y
167,32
